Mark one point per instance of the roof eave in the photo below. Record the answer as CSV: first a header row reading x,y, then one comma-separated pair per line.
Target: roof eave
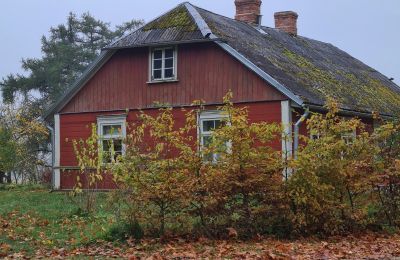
x,y
160,44
352,112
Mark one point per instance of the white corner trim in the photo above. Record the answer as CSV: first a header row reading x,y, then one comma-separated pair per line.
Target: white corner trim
x,y
287,139
57,149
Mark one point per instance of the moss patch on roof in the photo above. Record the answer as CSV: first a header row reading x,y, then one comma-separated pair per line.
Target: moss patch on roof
x,y
178,17
363,92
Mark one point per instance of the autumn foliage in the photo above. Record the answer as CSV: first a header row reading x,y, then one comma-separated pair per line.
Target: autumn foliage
x,y
344,178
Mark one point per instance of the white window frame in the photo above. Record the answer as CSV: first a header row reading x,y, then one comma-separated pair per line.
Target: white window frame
x,y
111,121
315,136
212,115
349,136
151,64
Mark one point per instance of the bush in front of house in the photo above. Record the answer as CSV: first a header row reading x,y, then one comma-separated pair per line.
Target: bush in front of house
x,y
334,176
344,179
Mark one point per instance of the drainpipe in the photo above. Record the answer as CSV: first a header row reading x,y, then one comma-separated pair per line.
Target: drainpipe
x,y
296,130
53,158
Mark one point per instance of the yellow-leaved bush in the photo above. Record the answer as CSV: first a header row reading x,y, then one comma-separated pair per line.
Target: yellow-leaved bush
x,y
343,179
330,189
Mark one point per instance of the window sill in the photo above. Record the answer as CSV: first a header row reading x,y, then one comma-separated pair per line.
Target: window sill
x,y
162,81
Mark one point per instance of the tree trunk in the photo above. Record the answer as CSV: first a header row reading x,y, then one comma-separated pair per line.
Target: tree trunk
x,y
8,178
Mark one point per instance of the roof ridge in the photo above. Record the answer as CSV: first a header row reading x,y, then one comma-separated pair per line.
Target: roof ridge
x,y
230,18
199,21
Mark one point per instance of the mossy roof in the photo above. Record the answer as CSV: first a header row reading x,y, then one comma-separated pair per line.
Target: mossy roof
x,y
310,69
177,25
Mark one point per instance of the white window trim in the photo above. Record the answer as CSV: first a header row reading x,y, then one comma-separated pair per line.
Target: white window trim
x,y
175,64
210,115
349,135
111,120
315,136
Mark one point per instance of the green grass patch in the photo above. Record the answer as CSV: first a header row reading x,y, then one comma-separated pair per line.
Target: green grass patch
x,y
33,218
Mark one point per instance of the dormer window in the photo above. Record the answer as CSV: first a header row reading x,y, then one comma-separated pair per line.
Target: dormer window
x,y
163,64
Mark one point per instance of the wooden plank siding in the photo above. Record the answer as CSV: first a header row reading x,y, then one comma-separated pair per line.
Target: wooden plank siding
x,y
76,126
205,71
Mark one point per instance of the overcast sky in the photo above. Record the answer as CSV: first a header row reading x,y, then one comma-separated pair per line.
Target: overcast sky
x,y
367,29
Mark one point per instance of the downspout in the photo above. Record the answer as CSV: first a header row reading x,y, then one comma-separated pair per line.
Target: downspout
x,y
53,158
296,130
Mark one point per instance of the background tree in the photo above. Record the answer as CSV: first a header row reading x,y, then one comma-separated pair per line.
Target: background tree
x,y
22,142
67,51
7,154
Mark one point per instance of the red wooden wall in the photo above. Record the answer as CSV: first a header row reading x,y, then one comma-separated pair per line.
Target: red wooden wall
x,y
76,126
205,71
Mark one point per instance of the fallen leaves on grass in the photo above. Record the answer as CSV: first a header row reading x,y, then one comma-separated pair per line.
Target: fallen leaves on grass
x,y
18,228
4,249
371,246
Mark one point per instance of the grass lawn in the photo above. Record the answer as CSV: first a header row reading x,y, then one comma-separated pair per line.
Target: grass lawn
x,y
33,219
37,223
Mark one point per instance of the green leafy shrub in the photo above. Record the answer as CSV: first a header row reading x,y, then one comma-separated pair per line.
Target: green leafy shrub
x,y
123,231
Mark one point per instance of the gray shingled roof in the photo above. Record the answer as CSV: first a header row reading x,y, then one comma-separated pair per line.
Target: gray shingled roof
x,y
311,69
175,26
305,70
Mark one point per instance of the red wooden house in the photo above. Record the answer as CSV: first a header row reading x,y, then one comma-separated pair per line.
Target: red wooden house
x,y
190,54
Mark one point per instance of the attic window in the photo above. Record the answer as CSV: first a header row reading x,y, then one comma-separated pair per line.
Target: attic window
x,y
163,64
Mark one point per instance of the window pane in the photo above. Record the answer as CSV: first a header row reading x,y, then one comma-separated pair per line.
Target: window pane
x,y
207,140
157,74
117,146
112,130
169,53
157,64
111,147
169,63
157,54
169,73
106,145
219,124
106,157
208,125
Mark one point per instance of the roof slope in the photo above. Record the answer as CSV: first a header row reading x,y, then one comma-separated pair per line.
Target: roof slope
x,y
305,70
310,69
176,25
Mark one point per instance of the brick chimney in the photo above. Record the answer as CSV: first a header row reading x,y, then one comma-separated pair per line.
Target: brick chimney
x,y
248,11
287,22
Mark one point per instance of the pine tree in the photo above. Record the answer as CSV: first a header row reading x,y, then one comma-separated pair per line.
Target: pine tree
x,y
67,51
